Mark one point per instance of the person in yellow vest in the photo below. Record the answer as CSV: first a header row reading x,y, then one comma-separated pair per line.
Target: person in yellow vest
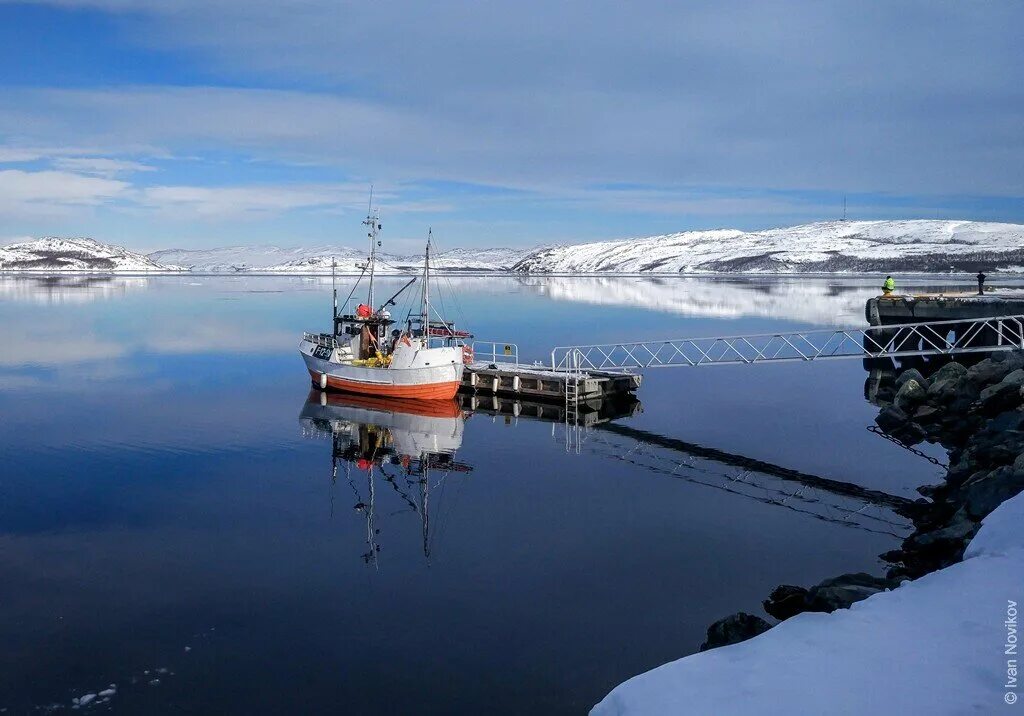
x,y
889,286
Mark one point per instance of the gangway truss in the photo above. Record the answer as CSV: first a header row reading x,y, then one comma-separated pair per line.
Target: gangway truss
x,y
893,341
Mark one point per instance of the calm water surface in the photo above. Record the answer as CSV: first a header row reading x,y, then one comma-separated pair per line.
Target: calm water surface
x,y
175,519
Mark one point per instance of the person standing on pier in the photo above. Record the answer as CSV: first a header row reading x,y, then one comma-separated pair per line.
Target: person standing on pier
x,y
981,283
889,286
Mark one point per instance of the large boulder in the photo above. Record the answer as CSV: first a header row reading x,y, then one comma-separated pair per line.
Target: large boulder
x,y
836,593
842,591
1015,377
734,629
983,494
1013,359
999,441
910,395
947,382
910,374
786,601
910,434
950,370
1009,421
1003,395
951,538
891,418
989,371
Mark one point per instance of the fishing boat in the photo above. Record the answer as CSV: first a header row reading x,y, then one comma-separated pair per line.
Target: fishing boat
x,y
370,353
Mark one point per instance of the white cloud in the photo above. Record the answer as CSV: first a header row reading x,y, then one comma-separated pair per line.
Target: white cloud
x,y
62,192
101,166
25,192
237,201
20,154
12,153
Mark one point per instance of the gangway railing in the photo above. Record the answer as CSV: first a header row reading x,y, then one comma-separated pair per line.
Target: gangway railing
x,y
496,352
894,341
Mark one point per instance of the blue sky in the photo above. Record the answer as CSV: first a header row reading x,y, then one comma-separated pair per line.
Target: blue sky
x,y
199,123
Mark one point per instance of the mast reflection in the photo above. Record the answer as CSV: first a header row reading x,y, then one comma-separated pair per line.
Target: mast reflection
x,y
408,444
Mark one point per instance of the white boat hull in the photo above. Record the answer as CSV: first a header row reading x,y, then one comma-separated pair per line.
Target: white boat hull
x,y
423,373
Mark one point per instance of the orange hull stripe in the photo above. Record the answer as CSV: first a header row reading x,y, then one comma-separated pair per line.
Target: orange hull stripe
x,y
411,406
429,391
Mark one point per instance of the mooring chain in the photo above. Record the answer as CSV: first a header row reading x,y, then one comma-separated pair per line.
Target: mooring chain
x,y
882,434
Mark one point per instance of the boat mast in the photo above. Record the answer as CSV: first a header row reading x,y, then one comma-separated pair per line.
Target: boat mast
x,y
374,224
334,290
425,317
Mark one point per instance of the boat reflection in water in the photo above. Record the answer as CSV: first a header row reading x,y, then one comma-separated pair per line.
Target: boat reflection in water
x,y
409,445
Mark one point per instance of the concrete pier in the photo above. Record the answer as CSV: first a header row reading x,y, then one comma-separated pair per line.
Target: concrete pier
x,y
899,310
909,308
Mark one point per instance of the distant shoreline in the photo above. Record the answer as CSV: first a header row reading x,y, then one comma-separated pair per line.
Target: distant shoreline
x,y
994,273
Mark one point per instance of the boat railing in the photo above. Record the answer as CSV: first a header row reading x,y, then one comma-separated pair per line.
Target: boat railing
x,y
320,339
495,352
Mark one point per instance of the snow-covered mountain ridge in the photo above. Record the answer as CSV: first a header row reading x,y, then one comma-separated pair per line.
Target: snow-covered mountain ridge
x,y
229,259
317,259
59,255
919,246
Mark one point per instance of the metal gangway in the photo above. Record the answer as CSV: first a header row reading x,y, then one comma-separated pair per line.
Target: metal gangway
x,y
893,341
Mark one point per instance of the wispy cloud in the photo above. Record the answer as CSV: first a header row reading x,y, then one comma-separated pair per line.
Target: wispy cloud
x,y
16,153
101,166
46,192
235,202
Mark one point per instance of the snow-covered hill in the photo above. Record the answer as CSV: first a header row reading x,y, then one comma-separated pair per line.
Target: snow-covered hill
x,y
826,247
317,259
874,247
453,261
55,254
228,259
348,262
477,259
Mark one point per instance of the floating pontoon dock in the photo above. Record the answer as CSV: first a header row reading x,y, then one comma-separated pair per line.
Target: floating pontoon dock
x,y
587,414
543,383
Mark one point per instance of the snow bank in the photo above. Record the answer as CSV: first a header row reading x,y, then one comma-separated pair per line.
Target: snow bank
x,y
933,646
